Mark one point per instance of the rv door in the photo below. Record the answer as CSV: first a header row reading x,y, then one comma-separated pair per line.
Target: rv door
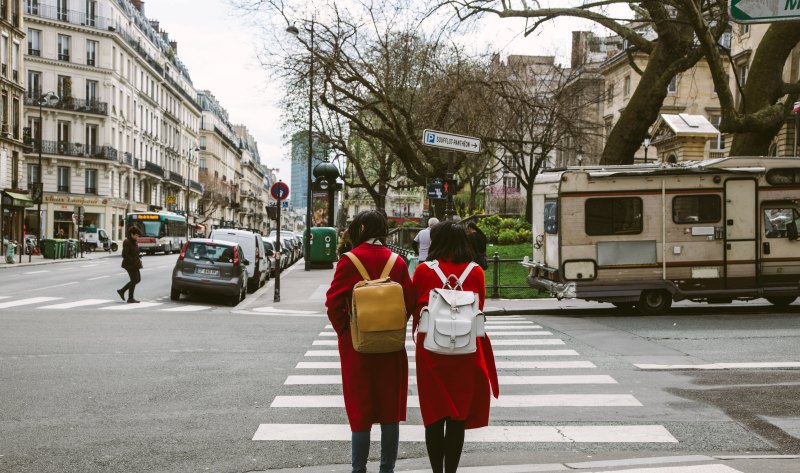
x,y
741,226
780,258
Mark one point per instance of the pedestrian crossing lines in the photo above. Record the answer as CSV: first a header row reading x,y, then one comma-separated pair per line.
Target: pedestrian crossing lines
x,y
526,355
52,304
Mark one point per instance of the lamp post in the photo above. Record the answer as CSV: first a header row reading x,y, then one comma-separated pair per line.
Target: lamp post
x,y
307,234
505,191
646,145
191,160
580,155
38,191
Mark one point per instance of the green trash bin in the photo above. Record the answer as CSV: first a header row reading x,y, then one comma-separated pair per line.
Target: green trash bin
x,y
413,262
323,245
60,248
49,249
72,248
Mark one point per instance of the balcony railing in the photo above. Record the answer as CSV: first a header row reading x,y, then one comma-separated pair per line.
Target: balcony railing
x,y
127,158
34,52
175,177
63,57
154,168
196,185
75,149
70,103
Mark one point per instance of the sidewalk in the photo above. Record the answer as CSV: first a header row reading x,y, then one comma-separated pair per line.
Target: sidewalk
x,y
37,260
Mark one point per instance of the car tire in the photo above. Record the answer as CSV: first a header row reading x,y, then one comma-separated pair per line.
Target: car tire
x,y
781,301
114,247
175,294
654,302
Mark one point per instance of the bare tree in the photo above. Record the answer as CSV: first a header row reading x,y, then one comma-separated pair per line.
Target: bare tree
x,y
216,196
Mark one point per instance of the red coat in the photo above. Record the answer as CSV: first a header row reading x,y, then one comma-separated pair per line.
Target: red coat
x,y
375,386
455,386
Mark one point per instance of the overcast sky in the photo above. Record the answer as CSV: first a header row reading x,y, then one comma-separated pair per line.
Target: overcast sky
x,y
219,50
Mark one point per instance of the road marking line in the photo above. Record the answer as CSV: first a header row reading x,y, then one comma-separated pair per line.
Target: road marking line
x,y
495,343
490,327
319,293
98,277
506,322
81,303
32,300
187,308
721,366
504,380
514,334
123,306
36,272
680,469
277,310
508,365
505,434
506,400
510,353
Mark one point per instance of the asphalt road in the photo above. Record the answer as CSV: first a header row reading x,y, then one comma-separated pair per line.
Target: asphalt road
x,y
184,386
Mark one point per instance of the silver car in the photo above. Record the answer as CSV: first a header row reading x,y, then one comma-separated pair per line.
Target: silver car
x,y
208,266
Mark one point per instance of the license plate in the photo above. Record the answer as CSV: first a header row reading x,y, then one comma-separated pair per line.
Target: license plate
x,y
207,272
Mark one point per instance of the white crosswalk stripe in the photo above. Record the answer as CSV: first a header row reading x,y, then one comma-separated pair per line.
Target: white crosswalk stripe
x,y
518,365
80,303
504,434
29,301
124,306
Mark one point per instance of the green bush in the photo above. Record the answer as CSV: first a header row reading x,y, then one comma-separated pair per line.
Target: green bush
x,y
524,235
411,224
507,237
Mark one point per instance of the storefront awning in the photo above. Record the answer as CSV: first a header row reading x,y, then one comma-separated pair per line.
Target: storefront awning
x,y
13,199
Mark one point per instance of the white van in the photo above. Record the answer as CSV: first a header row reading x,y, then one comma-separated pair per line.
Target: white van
x,y
253,247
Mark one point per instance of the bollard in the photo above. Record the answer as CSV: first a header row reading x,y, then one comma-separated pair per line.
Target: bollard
x,y
496,276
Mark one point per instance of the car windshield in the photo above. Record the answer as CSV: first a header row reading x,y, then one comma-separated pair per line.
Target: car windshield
x,y
210,251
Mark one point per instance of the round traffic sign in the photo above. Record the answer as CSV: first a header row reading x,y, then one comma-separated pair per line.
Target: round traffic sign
x,y
279,190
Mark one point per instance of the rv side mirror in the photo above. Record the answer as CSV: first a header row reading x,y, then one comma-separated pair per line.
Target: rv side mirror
x,y
791,230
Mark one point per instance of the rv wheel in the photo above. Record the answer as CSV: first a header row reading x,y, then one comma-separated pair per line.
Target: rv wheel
x,y
654,302
781,301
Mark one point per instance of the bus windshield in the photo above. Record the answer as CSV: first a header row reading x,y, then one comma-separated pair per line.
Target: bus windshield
x,y
148,228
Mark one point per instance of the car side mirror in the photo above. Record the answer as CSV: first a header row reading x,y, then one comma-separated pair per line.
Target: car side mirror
x,y
245,262
791,231
270,253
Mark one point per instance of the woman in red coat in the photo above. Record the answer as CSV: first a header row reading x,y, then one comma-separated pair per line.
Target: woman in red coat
x,y
454,390
375,386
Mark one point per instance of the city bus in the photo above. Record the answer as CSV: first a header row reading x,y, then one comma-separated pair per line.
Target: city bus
x,y
159,231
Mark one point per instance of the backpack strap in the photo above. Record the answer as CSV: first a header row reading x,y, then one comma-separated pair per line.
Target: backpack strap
x,y
363,271
466,272
360,267
388,268
434,265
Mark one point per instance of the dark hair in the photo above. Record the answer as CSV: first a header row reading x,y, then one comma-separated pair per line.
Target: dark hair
x,y
133,231
367,225
449,242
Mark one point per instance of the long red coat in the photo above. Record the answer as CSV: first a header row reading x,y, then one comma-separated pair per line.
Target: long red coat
x,y
375,386
455,386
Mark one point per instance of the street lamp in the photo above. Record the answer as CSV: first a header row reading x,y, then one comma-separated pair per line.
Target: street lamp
x,y
646,145
580,155
38,190
191,160
307,237
505,191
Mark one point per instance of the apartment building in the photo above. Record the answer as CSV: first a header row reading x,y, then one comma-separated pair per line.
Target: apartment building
x,y
111,110
252,191
12,176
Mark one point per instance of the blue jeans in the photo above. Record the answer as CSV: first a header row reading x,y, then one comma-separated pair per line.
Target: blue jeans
x,y
390,441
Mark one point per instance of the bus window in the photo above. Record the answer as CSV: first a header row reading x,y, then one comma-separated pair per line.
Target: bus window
x,y
776,220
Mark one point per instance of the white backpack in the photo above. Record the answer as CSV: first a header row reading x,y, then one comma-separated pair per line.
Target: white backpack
x,y
452,319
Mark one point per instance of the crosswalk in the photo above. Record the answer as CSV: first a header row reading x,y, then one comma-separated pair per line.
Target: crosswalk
x,y
49,304
527,355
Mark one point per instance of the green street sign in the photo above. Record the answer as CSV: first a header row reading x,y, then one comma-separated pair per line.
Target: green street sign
x,y
764,11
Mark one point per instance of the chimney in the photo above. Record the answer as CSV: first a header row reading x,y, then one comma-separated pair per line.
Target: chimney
x,y
139,5
154,24
174,46
579,49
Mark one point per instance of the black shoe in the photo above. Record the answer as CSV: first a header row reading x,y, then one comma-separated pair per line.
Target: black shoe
x,y
132,301
121,294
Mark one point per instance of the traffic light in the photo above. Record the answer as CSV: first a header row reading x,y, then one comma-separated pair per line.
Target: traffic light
x,y
37,191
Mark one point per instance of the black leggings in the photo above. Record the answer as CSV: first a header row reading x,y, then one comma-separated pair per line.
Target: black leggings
x,y
445,444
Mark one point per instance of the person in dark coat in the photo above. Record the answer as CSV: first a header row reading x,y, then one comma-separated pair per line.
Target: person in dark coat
x,y
478,240
375,385
132,263
454,390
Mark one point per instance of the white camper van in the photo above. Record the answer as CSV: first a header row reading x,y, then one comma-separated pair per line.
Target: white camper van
x,y
648,235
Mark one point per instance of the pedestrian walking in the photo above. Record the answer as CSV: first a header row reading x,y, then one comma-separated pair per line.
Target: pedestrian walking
x,y
423,239
132,263
345,244
478,240
375,385
454,390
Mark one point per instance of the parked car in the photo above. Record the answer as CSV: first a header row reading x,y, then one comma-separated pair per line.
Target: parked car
x,y
253,247
286,255
207,266
269,248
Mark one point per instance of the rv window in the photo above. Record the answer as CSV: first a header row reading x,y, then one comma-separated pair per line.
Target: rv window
x,y
775,221
551,217
696,209
614,216
778,177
